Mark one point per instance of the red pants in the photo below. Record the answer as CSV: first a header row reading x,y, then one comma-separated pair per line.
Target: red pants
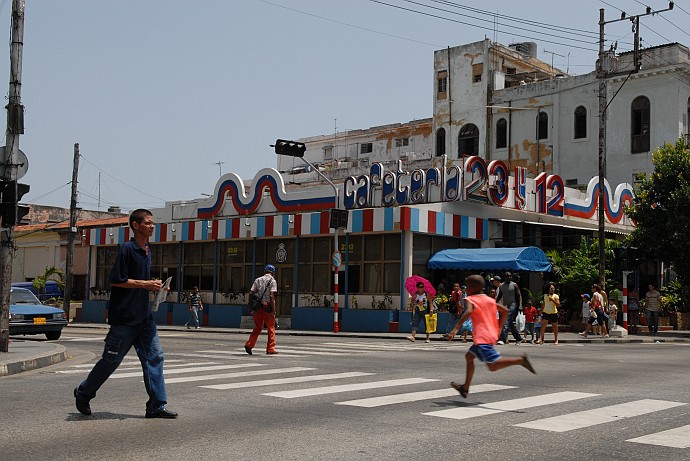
x,y
262,317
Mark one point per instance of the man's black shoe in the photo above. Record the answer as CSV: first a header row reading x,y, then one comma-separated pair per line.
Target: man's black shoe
x,y
162,412
248,350
82,405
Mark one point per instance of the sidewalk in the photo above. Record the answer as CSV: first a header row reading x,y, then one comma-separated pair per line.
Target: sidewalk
x,y
27,355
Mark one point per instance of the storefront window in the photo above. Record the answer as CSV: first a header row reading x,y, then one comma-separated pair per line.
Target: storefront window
x,y
198,265
372,278
374,246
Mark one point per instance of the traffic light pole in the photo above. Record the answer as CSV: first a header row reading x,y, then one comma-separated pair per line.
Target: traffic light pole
x,y
15,126
336,323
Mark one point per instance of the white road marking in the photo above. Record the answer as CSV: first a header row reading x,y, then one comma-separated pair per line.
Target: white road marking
x,y
509,405
348,387
417,396
587,418
674,438
295,379
237,374
190,369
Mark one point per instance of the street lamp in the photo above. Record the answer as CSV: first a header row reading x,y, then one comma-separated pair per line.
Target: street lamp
x,y
338,217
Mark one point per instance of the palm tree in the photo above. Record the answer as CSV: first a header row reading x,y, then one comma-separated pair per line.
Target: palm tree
x,y
40,282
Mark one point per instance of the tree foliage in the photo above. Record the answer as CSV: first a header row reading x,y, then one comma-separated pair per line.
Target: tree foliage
x,y
660,209
577,269
40,282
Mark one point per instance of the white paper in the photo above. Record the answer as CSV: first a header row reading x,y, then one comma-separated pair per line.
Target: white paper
x,y
161,295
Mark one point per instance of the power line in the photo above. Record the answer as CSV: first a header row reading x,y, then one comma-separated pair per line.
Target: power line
x,y
348,24
120,181
476,26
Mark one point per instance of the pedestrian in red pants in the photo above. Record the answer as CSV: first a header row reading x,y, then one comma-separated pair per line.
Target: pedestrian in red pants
x,y
265,287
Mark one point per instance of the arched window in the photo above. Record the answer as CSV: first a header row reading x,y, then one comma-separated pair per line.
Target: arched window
x,y
542,125
640,127
501,133
440,142
468,140
580,122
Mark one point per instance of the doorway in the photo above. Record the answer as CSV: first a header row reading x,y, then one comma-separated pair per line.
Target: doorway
x,y
285,281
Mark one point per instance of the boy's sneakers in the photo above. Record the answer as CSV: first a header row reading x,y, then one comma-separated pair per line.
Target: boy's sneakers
x,y
410,338
500,343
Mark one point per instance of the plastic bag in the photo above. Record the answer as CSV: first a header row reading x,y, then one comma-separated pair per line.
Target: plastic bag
x,y
431,321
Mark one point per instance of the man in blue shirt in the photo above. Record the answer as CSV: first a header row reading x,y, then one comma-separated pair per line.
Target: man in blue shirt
x,y
131,322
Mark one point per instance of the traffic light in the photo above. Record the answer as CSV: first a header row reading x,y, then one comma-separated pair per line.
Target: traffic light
x,y
291,148
11,213
338,219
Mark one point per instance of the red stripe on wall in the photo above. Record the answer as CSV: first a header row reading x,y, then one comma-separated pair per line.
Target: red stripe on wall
x,y
368,220
431,222
298,224
479,226
235,225
102,236
214,230
404,218
325,215
128,231
190,230
268,231
164,232
88,237
457,225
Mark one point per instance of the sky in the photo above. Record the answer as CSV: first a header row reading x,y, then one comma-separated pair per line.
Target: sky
x,y
164,96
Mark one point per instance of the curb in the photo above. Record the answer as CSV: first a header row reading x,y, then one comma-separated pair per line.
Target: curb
x,y
34,362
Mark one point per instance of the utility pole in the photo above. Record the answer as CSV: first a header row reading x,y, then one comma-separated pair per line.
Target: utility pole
x,y
220,169
601,75
72,231
15,127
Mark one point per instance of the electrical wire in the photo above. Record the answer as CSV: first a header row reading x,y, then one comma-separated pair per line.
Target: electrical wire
x,y
120,181
348,24
477,26
50,192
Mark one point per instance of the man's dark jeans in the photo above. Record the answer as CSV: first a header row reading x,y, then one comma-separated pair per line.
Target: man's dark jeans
x,y
510,324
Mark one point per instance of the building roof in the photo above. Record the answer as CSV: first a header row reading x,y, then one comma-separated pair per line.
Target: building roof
x,y
107,222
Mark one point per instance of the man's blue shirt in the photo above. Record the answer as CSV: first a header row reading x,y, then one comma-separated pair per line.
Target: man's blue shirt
x,y
130,306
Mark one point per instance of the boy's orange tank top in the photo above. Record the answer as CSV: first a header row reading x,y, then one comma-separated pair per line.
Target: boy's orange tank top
x,y
484,321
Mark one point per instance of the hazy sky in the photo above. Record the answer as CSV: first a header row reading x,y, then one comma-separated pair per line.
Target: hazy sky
x,y
156,92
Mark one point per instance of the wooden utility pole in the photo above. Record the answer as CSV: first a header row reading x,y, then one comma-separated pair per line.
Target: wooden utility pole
x,y
601,75
15,127
72,231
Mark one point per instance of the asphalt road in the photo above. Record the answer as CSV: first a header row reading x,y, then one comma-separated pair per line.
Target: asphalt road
x,y
356,399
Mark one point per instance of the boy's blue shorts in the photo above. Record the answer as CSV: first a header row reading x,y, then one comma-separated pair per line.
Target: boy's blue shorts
x,y
485,353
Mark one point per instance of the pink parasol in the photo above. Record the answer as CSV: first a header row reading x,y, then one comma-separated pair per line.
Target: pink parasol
x,y
411,285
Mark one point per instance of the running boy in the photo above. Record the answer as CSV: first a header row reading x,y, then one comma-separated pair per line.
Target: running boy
x,y
483,311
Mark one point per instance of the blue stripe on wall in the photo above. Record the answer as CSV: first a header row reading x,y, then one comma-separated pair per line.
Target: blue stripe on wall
x,y
121,235
185,231
388,219
314,223
414,219
204,229
286,225
440,223
356,220
464,226
485,234
228,228
261,226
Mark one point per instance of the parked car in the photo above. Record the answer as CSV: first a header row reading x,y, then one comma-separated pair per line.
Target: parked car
x,y
29,317
52,290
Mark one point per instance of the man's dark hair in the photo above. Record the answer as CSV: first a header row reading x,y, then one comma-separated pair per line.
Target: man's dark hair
x,y
138,216
476,281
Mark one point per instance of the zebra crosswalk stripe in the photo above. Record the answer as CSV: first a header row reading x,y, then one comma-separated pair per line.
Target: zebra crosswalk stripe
x,y
674,438
348,387
509,405
294,379
417,396
236,374
600,415
190,369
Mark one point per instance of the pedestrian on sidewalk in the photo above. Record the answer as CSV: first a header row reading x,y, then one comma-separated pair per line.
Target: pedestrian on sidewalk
x,y
421,305
549,314
131,322
633,312
509,293
483,311
530,317
455,309
597,315
266,287
195,306
585,310
652,307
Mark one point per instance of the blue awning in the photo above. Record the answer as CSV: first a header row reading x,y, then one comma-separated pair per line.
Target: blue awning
x,y
515,259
